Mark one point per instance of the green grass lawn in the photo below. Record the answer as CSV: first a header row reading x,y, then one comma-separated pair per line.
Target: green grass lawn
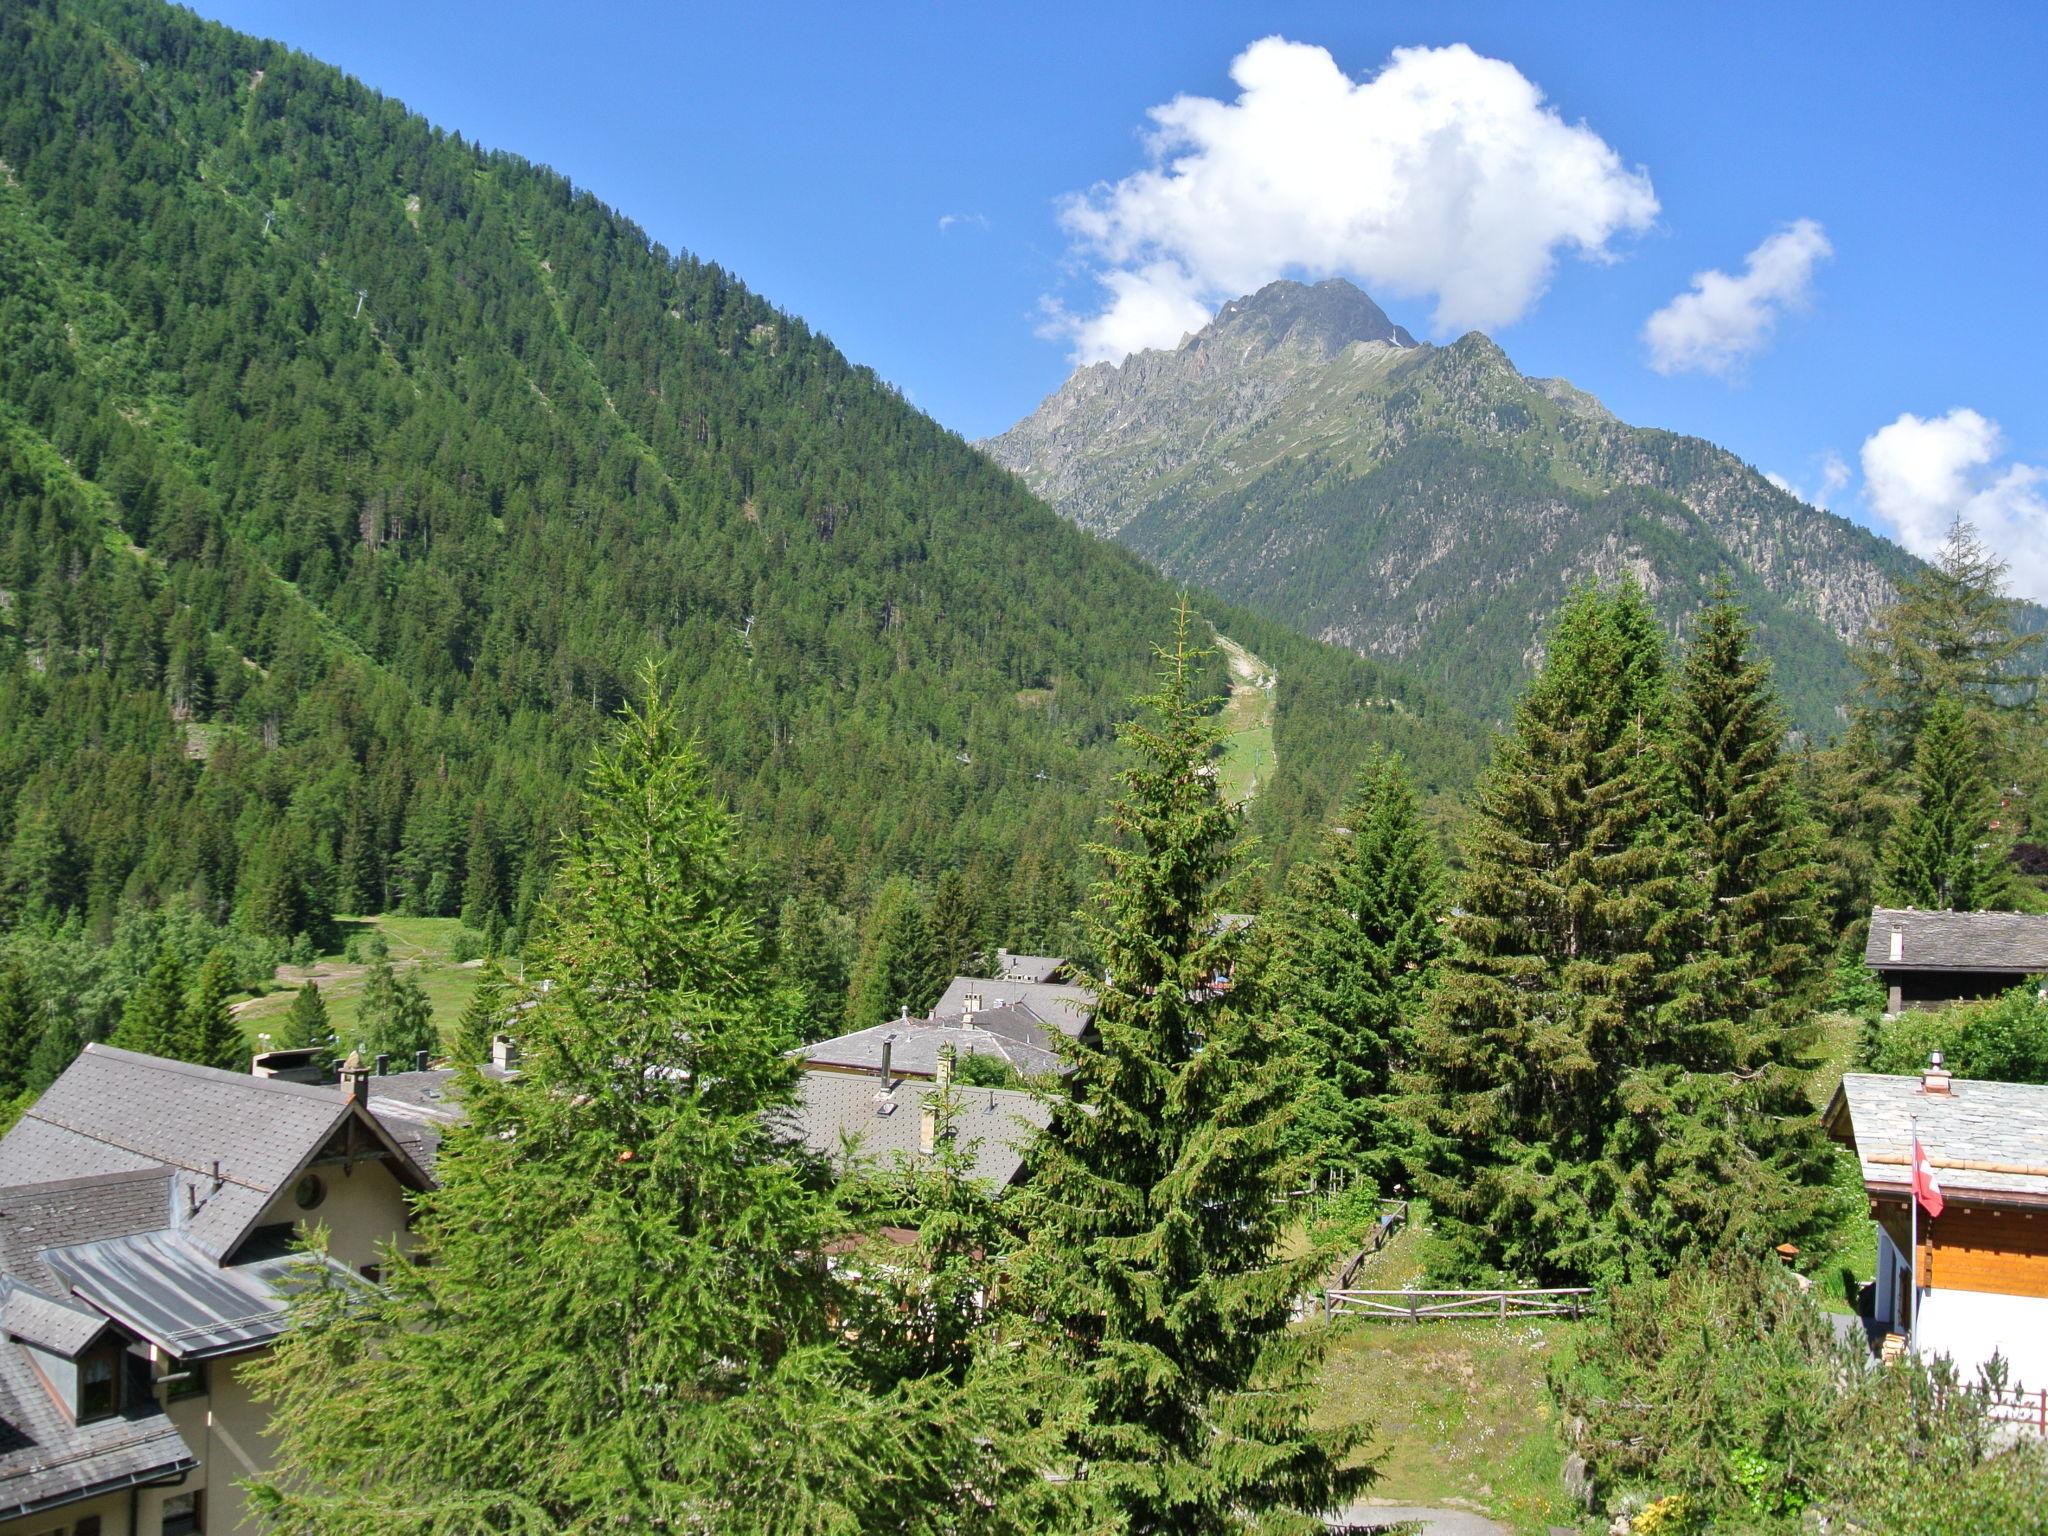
x,y
421,945
1248,756
1459,1413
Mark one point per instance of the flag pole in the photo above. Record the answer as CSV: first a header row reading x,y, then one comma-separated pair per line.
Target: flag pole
x,y
1913,1206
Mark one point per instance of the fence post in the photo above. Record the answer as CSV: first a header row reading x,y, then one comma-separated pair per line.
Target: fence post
x,y
1503,1306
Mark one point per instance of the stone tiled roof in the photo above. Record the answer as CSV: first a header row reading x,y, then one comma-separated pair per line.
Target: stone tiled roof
x,y
1028,967
417,1108
46,1460
1065,1006
1958,941
49,1322
1014,1034
234,1139
839,1114
2001,1124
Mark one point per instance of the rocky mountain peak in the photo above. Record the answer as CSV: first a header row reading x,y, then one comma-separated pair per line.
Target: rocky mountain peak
x,y
1323,317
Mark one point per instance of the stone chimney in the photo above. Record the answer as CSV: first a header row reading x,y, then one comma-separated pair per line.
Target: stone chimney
x,y
419,1061
504,1053
928,1125
1936,1078
945,1072
1898,943
383,1063
888,1063
355,1079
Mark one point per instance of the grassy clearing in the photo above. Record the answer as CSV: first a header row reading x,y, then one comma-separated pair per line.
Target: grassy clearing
x,y
1248,758
1459,1413
422,945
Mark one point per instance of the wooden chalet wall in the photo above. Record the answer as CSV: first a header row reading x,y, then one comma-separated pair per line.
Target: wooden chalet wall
x,y
1975,1247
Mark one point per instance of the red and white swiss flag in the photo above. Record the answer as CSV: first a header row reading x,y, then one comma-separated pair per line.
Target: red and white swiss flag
x,y
1926,1187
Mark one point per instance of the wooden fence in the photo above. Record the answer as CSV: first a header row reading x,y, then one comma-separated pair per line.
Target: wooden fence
x,y
2029,1410
1429,1306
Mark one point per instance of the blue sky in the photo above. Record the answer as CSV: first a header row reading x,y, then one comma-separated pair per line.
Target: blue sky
x,y
815,150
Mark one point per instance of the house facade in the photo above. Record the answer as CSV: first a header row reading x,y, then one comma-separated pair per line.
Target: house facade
x,y
1931,959
1982,1282
150,1213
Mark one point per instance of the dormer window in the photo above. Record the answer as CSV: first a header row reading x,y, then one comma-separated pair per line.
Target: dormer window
x,y
99,1383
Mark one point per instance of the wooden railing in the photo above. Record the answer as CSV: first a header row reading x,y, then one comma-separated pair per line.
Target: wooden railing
x,y
1429,1306
2029,1410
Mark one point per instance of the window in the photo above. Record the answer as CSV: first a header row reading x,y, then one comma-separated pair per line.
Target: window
x,y
99,1383
184,1514
89,1526
188,1380
309,1192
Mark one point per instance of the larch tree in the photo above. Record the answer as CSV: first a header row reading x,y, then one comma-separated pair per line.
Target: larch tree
x,y
1945,851
21,1027
1951,633
1354,944
1148,1306
619,1316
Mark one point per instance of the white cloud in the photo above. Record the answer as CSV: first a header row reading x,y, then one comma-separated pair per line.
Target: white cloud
x,y
1833,479
1722,321
951,221
1921,474
1443,175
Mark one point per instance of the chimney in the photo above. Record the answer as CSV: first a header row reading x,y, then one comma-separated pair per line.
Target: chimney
x,y
355,1079
383,1063
504,1053
1898,943
419,1061
945,1073
928,1125
1936,1078
888,1063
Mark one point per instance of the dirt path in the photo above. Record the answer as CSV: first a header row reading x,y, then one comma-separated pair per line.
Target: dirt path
x,y
1248,755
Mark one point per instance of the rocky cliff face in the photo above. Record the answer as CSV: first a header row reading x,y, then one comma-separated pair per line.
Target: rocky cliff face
x,y
1306,455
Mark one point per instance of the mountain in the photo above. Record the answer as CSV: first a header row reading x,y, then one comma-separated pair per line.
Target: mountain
x,y
1431,505
348,471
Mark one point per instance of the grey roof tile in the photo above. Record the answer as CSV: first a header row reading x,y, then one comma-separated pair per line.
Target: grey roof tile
x,y
838,1110
49,1322
1976,1121
1014,1034
236,1139
1028,967
1958,941
1066,1006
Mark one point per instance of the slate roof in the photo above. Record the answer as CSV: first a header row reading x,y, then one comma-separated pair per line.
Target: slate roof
x,y
1975,1122
1064,1005
1028,967
836,1110
122,1191
2015,942
1014,1034
46,1460
117,1111
416,1108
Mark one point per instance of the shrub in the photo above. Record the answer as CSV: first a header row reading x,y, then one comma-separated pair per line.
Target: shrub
x,y
2005,1039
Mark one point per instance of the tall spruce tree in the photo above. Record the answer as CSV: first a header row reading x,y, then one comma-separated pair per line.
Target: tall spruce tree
x,y
483,1017
21,1025
207,1033
153,1019
1945,852
618,1317
1576,957
1355,940
1165,1389
305,1022
894,972
1758,846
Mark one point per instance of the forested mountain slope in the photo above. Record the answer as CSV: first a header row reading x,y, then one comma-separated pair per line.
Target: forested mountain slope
x,y
1432,504
347,472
